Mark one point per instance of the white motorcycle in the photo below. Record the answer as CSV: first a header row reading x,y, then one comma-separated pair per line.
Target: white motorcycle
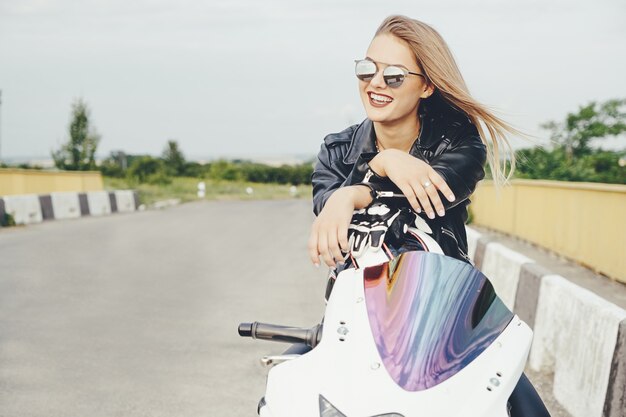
x,y
421,334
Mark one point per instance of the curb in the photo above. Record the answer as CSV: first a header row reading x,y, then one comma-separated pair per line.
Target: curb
x,y
579,337
36,208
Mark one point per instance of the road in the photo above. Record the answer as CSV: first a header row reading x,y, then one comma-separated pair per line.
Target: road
x,y
136,314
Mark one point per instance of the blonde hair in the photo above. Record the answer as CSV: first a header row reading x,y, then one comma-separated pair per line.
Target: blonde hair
x,y
436,61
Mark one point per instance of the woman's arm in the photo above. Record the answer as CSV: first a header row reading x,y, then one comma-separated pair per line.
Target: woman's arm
x,y
325,180
453,174
334,201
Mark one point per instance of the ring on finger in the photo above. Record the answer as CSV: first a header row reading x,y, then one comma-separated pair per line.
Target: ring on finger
x,y
427,184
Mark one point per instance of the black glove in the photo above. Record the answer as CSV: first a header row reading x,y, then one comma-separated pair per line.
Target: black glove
x,y
372,226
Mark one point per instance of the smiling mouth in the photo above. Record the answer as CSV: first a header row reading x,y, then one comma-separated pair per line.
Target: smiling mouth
x,y
379,100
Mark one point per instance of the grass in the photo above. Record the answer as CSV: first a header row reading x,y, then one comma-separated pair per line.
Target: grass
x,y
186,189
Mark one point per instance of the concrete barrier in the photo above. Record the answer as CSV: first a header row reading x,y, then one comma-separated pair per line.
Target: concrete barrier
x,y
32,208
47,210
99,203
66,205
113,202
136,199
84,204
615,402
125,201
25,209
473,236
2,212
502,266
527,295
579,336
576,333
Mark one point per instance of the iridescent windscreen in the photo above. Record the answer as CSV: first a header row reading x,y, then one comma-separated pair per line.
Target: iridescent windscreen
x,y
430,315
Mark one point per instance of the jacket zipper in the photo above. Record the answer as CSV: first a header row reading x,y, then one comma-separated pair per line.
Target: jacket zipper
x,y
368,175
449,233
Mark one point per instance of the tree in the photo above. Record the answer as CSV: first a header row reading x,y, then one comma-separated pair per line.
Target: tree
x,y
115,165
572,156
590,122
174,158
78,154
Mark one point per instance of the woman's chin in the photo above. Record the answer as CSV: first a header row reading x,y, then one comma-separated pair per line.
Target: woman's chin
x,y
377,115
390,115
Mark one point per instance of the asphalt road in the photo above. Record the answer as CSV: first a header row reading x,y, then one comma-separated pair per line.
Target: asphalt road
x,y
136,314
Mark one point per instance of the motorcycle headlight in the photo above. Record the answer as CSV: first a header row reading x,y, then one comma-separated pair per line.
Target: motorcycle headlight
x,y
329,410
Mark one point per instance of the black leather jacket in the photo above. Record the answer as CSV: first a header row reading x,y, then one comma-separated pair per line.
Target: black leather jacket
x,y
449,142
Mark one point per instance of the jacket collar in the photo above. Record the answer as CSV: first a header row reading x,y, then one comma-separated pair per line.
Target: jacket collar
x,y
364,138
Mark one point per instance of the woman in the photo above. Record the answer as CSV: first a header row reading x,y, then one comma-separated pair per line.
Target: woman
x,y
423,135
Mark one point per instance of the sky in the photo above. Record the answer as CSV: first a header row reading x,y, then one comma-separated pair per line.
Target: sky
x,y
246,78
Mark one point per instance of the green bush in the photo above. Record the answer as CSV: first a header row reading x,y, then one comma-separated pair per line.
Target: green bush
x,y
224,170
7,220
260,173
159,178
195,170
146,169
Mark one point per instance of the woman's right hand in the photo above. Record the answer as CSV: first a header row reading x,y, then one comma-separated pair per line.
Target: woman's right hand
x,y
329,232
417,180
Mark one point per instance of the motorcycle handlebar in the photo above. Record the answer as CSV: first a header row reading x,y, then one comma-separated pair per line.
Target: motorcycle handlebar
x,y
272,332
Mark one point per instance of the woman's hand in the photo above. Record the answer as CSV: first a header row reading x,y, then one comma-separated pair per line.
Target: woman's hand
x,y
329,232
415,178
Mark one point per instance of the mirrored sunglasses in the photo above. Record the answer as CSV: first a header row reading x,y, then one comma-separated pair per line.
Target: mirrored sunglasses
x,y
393,75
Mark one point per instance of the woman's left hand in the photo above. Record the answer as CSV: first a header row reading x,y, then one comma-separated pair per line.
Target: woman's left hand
x,y
329,231
417,180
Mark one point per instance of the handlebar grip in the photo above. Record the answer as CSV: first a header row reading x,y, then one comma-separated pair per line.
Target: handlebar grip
x,y
245,329
310,336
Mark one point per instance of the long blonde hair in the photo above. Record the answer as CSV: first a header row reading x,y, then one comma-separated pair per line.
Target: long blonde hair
x,y
438,64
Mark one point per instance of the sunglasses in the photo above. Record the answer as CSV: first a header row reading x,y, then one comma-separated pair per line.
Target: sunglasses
x,y
393,75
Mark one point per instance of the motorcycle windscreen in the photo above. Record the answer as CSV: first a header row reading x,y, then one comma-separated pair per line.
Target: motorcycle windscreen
x,y
430,315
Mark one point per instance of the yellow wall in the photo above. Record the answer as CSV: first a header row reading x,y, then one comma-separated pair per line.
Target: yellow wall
x,y
29,181
585,222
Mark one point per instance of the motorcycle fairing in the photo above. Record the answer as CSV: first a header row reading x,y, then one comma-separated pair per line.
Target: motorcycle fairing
x,y
430,316
346,367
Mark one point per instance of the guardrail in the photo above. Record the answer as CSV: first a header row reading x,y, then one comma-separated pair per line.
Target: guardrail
x,y
34,208
579,337
584,222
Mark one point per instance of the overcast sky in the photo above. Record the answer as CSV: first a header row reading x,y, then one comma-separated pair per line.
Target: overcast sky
x,y
272,78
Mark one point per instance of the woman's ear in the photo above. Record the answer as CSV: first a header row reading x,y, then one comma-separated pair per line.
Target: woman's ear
x,y
430,89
